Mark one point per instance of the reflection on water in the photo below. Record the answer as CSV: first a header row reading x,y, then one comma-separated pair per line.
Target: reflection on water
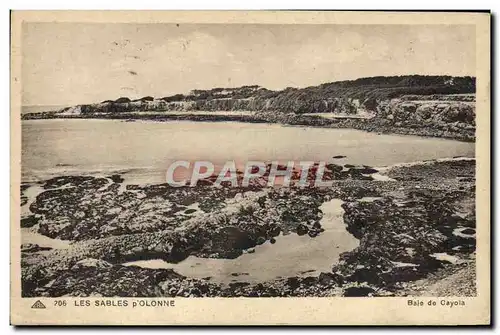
x,y
30,237
291,255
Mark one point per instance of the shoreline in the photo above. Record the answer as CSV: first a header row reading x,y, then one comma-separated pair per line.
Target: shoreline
x,y
382,170
373,124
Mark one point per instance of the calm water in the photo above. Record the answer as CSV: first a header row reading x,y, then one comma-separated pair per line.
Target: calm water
x,y
41,108
291,255
144,149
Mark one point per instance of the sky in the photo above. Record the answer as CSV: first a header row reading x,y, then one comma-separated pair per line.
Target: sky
x,y
73,63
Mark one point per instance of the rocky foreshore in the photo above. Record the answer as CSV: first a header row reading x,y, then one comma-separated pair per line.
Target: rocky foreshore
x,y
418,224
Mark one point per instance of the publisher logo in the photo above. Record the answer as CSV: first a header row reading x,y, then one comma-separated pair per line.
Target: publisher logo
x,y
38,305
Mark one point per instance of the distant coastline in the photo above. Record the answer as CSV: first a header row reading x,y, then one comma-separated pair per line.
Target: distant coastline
x,y
26,109
436,106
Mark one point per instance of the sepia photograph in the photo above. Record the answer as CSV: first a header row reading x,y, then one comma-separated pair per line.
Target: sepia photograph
x,y
196,159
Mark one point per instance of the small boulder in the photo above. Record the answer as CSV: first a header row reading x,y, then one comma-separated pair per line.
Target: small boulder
x,y
302,230
368,170
28,247
29,221
328,278
361,291
91,263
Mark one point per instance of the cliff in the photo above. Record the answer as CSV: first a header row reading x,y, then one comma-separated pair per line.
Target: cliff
x,y
441,106
347,97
